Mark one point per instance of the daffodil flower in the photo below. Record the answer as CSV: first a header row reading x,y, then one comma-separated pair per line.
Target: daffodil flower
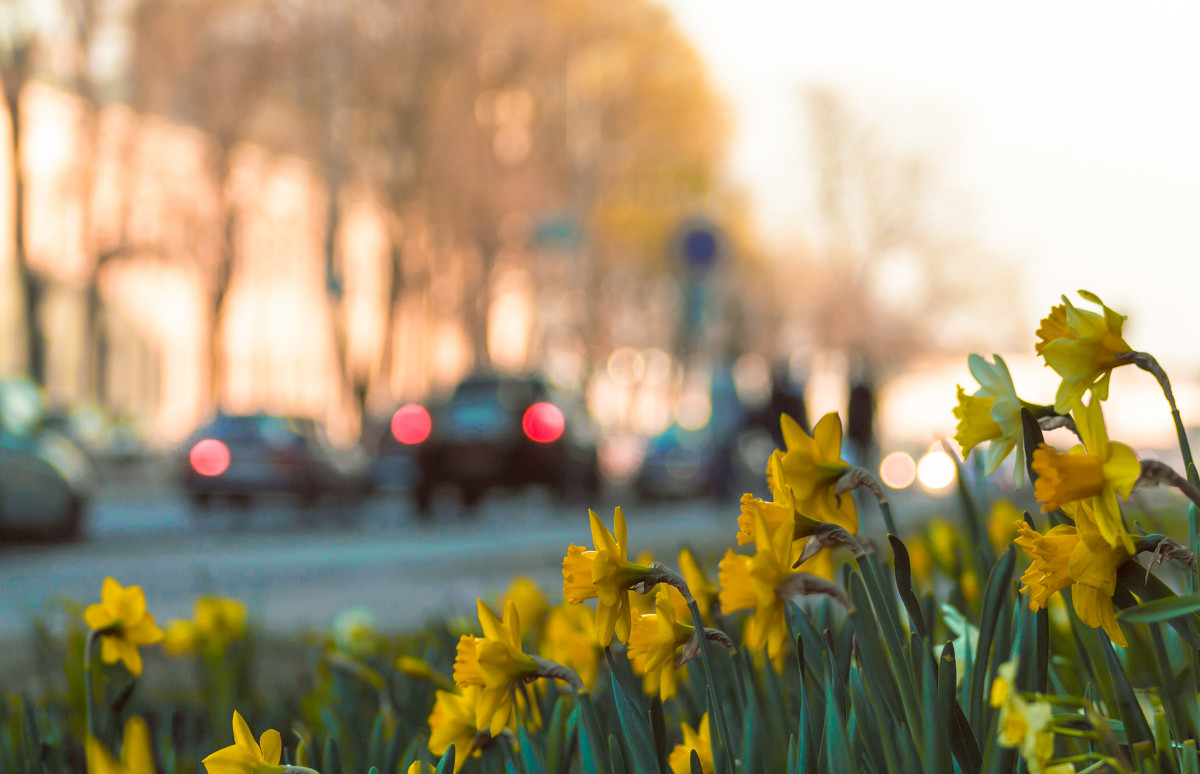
x,y
1028,725
246,756
570,639
811,467
220,620
1079,557
703,590
121,621
750,582
605,574
531,602
653,643
699,740
1096,472
783,504
136,755
1081,346
992,414
452,722
494,662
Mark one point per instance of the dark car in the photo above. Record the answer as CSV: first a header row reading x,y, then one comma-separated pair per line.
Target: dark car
x,y
245,456
44,488
500,431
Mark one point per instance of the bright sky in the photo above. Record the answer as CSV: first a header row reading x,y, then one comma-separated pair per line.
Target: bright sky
x,y
1072,128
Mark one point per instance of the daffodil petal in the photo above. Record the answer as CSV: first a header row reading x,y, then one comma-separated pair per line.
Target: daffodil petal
x,y
271,746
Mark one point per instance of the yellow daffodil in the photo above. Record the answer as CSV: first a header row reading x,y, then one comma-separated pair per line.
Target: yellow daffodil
x,y
420,669
703,590
750,582
1003,685
452,722
245,756
1095,472
811,467
417,767
1079,557
123,624
570,639
181,637
216,622
136,754
1001,523
641,604
605,574
992,414
783,505
653,643
680,759
1028,725
531,602
495,662
1081,346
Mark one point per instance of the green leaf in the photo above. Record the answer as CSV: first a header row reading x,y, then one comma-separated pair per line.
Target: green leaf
x,y
658,726
530,757
590,752
963,743
1130,711
615,757
636,731
995,604
1161,609
904,585
331,761
446,764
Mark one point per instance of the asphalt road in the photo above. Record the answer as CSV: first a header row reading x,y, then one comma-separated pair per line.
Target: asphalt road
x,y
297,573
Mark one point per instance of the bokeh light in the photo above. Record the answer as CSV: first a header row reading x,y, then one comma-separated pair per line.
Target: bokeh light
x,y
209,457
936,470
543,422
898,470
411,424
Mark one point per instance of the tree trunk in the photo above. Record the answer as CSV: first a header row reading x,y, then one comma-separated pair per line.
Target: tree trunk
x,y
31,284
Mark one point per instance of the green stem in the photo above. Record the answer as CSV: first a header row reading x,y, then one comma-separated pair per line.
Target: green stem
x,y
886,508
718,708
88,695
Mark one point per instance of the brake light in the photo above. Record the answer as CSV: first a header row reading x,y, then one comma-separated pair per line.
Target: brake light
x,y
209,457
411,424
543,422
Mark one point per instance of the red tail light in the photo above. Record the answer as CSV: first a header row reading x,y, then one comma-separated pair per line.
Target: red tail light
x,y
209,457
543,422
411,424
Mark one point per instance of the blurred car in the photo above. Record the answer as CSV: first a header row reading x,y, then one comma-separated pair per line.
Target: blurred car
x,y
41,498
393,447
46,476
680,463
500,431
245,456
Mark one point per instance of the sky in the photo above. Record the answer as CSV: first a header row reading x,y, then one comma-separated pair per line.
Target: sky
x,y
1071,130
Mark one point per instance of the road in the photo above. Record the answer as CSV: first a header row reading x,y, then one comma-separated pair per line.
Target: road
x,y
299,576
296,575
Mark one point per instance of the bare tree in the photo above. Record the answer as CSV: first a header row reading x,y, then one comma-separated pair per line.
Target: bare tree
x,y
17,49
